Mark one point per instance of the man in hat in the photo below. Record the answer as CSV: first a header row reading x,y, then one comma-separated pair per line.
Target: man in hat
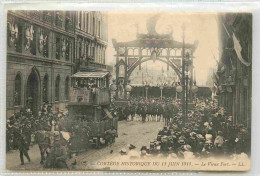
x,y
143,113
23,144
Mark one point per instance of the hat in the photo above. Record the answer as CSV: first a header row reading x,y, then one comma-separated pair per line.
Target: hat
x,y
143,152
193,134
199,136
208,136
181,141
187,147
206,123
123,151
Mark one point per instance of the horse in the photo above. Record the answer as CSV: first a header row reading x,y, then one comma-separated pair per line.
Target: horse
x,y
42,138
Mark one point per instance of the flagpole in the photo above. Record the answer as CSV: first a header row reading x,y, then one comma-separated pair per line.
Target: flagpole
x,y
183,78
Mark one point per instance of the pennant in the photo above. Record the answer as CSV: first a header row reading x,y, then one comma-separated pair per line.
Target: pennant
x,y
226,29
238,49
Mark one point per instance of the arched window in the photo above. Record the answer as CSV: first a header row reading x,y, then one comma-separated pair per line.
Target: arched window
x,y
17,90
57,88
45,89
67,87
94,27
58,47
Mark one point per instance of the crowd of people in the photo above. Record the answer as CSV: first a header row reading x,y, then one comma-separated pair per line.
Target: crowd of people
x,y
141,109
53,131
22,126
208,132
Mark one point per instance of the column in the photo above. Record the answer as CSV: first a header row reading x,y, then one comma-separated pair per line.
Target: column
x,y
183,84
167,58
126,79
191,77
140,57
117,72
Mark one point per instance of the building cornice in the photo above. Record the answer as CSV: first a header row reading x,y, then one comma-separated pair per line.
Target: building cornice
x,y
37,58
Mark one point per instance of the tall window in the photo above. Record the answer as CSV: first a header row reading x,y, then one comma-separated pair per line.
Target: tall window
x,y
80,48
93,52
97,56
18,40
104,56
80,20
57,88
68,46
45,45
87,22
58,47
17,90
67,88
45,89
99,29
94,27
87,48
33,42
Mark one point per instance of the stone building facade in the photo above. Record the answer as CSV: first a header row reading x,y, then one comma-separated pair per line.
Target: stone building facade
x,y
91,41
233,79
44,48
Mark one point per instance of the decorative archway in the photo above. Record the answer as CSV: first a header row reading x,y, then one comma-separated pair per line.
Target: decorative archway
x,y
33,97
151,46
168,62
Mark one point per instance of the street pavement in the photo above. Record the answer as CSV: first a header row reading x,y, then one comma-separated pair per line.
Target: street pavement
x,y
129,132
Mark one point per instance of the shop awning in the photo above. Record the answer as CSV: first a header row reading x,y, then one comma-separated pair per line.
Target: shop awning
x,y
108,113
90,75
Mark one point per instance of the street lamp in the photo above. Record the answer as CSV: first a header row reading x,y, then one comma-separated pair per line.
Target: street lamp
x,y
194,89
183,77
187,64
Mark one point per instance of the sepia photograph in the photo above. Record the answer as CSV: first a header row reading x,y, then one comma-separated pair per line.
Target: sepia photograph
x,y
128,90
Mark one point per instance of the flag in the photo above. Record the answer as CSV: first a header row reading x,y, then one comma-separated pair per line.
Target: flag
x,y
238,49
226,29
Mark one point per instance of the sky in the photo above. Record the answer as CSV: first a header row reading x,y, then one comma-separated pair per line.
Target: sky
x,y
198,26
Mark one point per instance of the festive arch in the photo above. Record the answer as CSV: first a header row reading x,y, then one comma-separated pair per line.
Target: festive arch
x,y
150,46
136,64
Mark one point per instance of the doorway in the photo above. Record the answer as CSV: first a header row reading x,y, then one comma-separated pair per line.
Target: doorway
x,y
33,92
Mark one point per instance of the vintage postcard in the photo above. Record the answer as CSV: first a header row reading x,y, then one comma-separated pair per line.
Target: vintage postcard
x,y
128,90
